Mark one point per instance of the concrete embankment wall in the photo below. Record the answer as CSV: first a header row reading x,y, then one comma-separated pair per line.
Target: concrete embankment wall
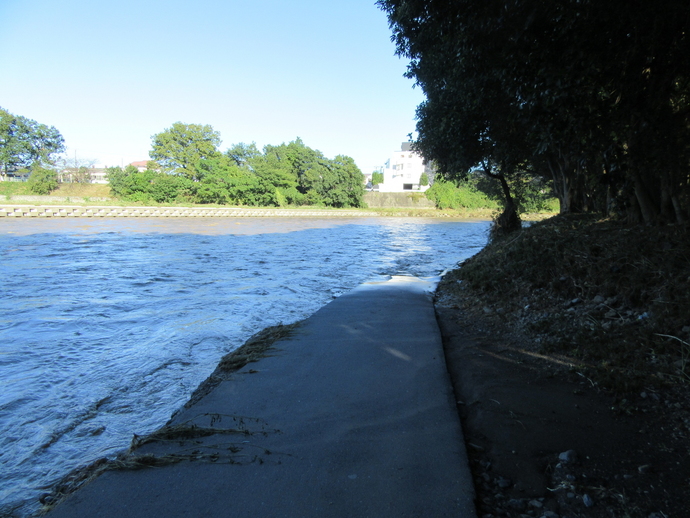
x,y
397,200
54,211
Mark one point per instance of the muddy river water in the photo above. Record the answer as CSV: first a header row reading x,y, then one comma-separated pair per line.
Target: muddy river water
x,y
107,326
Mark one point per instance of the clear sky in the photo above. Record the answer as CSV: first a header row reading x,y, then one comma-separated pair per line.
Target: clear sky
x,y
110,74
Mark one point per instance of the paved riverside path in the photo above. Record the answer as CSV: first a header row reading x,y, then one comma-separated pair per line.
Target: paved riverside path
x,y
353,415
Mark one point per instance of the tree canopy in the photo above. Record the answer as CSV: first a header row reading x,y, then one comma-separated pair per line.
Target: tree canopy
x,y
592,95
290,173
179,148
25,143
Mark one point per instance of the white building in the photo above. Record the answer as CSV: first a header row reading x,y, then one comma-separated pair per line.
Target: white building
x,y
141,165
403,171
83,175
98,175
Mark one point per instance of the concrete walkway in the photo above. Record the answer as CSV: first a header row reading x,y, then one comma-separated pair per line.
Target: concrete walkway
x,y
351,416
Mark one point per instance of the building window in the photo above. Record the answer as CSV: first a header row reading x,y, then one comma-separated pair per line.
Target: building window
x,y
407,187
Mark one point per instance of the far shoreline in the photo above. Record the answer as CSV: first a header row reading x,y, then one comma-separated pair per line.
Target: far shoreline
x,y
74,207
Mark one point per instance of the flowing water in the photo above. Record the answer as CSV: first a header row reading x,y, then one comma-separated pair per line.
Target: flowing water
x,y
107,326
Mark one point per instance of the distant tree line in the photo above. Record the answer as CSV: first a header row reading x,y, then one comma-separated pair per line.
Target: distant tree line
x,y
591,96
188,167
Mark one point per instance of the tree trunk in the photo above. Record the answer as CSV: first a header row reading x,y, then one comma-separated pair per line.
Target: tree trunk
x,y
633,214
568,185
647,208
508,221
678,209
667,210
608,203
559,186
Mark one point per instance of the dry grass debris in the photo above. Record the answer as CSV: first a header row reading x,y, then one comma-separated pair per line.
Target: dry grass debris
x,y
614,298
253,350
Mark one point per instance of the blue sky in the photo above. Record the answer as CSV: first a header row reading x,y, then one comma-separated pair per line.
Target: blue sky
x,y
110,75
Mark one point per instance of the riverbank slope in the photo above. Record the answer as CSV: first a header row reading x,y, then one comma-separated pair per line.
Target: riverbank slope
x,y
568,347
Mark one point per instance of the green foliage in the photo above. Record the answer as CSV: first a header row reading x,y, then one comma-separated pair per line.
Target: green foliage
x,y
275,168
293,196
520,86
377,178
149,186
532,193
311,197
117,180
447,195
279,198
424,180
42,181
25,143
193,170
166,188
138,186
179,148
344,187
242,154
14,188
223,182
304,176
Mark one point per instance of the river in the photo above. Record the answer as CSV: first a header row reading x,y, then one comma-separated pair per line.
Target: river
x,y
107,326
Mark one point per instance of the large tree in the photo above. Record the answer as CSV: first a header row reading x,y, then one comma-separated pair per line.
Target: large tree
x,y
24,143
592,94
305,175
343,186
179,149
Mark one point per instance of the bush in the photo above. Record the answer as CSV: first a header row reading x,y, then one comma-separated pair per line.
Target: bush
x,y
447,195
117,179
166,188
42,181
293,196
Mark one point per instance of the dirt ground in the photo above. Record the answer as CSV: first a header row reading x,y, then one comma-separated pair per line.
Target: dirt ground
x,y
547,437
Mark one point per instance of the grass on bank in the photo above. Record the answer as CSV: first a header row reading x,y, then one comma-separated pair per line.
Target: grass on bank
x,y
64,189
614,297
83,190
14,188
